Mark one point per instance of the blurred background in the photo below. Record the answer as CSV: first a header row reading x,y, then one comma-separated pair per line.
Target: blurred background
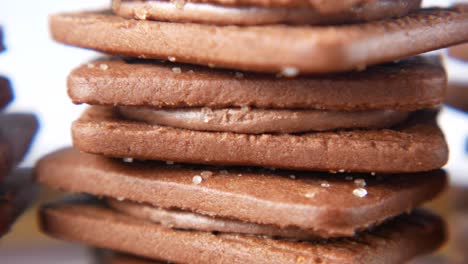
x,y
38,68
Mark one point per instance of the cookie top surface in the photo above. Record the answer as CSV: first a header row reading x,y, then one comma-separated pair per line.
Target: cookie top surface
x,y
302,49
411,84
395,242
16,134
6,93
215,13
16,193
324,202
415,145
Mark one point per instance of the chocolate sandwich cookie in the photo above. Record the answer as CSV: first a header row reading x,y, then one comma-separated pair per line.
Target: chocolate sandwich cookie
x,y
416,145
96,225
6,94
320,204
184,220
214,13
411,84
302,49
16,193
16,133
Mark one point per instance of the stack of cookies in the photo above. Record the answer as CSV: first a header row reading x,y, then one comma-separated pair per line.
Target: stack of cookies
x,y
316,147
16,134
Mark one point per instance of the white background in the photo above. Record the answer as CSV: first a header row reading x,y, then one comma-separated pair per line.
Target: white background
x,y
38,67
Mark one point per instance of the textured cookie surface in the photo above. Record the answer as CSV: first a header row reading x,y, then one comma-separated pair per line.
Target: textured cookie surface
x,y
16,133
213,13
98,226
408,85
16,193
323,202
416,145
302,49
6,94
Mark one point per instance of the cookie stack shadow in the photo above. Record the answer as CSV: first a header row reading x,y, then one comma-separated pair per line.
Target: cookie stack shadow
x,y
17,131
316,147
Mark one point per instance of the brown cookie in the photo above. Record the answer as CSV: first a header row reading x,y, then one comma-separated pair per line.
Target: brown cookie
x,y
16,193
394,242
214,13
6,94
302,49
184,220
411,84
416,145
16,133
329,205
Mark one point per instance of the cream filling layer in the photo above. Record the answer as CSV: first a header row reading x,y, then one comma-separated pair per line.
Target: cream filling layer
x,y
258,121
185,11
